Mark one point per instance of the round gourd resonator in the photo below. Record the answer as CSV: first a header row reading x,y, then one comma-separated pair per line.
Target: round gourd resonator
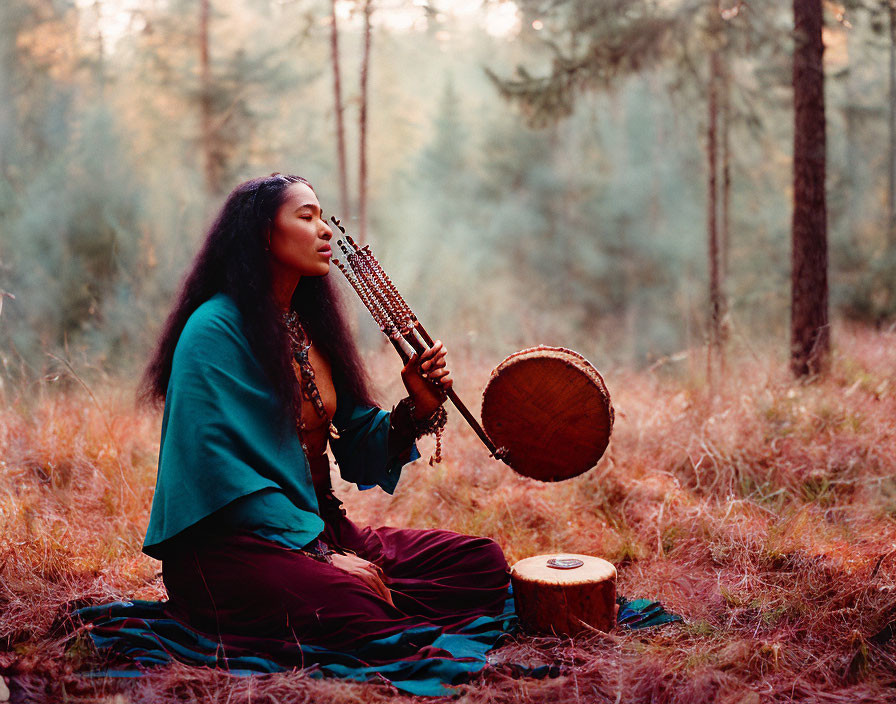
x,y
548,411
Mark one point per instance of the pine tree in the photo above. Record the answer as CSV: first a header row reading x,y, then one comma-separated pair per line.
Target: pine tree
x,y
339,109
362,125
714,251
809,328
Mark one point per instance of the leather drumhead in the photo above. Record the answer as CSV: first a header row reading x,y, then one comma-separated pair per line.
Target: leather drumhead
x,y
549,409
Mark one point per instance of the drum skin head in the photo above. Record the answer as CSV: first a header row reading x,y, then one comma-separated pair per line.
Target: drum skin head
x,y
538,569
548,411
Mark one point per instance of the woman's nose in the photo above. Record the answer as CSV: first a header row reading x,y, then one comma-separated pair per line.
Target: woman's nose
x,y
326,232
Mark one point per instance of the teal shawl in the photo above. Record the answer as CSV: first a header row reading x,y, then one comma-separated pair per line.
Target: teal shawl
x,y
225,435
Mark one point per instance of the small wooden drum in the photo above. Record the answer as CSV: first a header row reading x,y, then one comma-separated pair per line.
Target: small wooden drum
x,y
562,592
548,412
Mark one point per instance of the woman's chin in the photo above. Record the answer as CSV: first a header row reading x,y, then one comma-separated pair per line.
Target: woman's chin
x,y
317,270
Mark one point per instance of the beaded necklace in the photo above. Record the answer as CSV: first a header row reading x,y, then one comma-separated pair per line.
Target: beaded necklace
x,y
300,344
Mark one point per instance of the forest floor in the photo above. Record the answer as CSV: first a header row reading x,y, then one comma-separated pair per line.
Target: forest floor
x,y
763,513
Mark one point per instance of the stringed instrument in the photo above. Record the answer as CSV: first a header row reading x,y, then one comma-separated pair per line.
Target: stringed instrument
x,y
546,411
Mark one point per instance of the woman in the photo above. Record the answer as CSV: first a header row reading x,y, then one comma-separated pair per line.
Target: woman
x,y
259,375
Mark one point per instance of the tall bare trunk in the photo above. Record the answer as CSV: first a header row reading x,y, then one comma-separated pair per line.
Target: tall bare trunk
x,y
340,122
362,120
715,289
100,50
205,99
627,272
809,329
854,161
891,183
725,129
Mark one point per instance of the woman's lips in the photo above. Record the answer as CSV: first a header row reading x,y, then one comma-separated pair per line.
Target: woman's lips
x,y
326,252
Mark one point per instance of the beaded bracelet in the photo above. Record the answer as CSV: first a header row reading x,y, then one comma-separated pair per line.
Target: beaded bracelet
x,y
435,423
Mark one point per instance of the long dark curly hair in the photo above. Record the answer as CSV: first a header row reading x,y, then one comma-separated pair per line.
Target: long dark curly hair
x,y
233,260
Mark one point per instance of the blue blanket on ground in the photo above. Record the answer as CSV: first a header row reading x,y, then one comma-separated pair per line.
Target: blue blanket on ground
x,y
141,633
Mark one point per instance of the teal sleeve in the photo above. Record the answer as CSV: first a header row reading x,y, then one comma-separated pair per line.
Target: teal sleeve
x,y
224,434
362,450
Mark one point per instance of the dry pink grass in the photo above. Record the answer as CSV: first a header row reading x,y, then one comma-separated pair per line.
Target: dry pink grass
x,y
765,514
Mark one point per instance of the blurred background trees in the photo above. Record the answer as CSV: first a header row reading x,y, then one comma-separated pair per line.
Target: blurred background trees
x,y
580,212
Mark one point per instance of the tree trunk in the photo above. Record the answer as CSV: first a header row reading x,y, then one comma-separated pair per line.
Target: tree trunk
x,y
809,328
100,50
854,161
712,158
725,129
891,182
205,100
362,121
340,122
625,271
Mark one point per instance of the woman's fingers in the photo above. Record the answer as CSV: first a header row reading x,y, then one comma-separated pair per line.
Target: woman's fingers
x,y
369,573
437,350
434,363
376,584
375,581
437,347
387,595
427,378
433,359
375,570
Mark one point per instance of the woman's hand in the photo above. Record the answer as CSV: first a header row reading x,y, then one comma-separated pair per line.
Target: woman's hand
x,y
367,572
427,379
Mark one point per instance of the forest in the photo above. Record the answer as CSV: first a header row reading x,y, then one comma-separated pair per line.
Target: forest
x,y
698,196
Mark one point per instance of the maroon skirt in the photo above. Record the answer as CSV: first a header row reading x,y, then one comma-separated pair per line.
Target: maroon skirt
x,y
241,588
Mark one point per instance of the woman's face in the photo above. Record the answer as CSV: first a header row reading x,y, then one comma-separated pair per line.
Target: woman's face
x,y
300,238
